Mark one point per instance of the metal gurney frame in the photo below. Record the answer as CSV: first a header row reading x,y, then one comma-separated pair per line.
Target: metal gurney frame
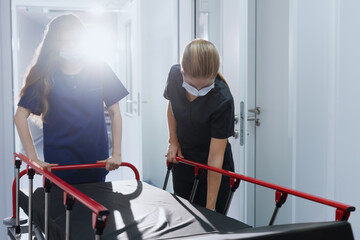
x,y
71,194
342,212
99,221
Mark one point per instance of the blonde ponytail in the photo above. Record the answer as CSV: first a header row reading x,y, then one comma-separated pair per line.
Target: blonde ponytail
x,y
200,59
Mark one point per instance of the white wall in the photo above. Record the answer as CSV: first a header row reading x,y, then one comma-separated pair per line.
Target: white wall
x,y
6,112
323,54
314,108
158,54
324,41
234,57
346,90
30,34
273,148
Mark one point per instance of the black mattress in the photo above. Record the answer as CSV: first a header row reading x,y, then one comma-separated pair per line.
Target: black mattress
x,y
141,211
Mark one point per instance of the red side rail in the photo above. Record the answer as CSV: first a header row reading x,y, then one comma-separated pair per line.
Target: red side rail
x,y
342,210
94,165
97,208
88,202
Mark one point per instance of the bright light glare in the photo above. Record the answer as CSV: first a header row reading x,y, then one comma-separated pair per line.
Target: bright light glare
x,y
97,10
99,43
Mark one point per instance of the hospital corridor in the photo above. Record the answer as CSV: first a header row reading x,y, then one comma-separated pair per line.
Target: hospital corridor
x,y
179,119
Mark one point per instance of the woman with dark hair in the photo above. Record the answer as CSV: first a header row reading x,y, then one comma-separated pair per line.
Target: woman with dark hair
x,y
201,119
69,94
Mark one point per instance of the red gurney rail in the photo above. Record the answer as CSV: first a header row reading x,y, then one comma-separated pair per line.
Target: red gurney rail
x,y
71,194
342,210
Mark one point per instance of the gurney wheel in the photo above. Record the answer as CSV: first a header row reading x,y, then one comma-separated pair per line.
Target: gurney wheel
x,y
10,221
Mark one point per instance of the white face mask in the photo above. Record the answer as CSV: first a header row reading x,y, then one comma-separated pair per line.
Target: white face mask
x,y
198,93
70,55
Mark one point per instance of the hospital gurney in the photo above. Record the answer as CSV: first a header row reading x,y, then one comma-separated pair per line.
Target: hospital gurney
x,y
136,210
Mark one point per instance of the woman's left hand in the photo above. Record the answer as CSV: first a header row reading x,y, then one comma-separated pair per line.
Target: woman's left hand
x,y
112,163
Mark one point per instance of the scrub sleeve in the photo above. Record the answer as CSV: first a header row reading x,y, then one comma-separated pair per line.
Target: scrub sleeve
x,y
74,129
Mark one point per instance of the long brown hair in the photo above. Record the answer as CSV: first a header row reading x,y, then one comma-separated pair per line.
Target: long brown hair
x,y
201,59
46,57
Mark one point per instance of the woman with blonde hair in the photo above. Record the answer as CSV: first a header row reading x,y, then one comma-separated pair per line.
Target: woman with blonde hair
x,y
200,120
69,94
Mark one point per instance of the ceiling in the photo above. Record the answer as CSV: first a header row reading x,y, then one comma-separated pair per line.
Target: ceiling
x,y
42,15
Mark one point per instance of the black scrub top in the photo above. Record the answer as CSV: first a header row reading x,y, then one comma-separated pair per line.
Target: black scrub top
x,y
206,117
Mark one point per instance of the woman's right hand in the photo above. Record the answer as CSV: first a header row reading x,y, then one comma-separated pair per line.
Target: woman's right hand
x,y
45,165
173,151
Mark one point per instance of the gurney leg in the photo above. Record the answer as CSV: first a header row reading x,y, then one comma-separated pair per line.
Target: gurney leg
x,y
99,226
69,203
272,220
17,226
31,173
196,182
228,202
68,224
169,167
47,196
280,199
193,191
234,184
46,215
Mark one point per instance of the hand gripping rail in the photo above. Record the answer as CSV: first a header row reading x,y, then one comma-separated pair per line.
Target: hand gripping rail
x,y
71,194
342,212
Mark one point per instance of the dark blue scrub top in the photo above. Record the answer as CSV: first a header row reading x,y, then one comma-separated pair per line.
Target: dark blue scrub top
x,y
74,128
206,117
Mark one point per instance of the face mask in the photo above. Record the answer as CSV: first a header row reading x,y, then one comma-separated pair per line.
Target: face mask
x,y
72,56
198,93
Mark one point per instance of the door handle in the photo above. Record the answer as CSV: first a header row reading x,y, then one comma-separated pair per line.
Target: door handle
x,y
242,123
138,102
255,110
257,120
236,118
236,134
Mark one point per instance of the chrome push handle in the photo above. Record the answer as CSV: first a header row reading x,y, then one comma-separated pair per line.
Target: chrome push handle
x,y
256,111
257,120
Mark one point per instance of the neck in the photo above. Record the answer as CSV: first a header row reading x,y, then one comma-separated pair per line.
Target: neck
x,y
190,97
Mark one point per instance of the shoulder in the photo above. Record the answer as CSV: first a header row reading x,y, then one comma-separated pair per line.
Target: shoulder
x,y
174,82
175,69
222,92
34,90
175,73
175,78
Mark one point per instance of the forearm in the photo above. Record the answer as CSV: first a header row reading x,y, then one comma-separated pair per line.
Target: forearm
x,y
23,129
214,181
171,125
116,129
215,159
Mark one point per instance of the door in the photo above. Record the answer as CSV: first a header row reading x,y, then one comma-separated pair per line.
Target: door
x,y
253,45
129,61
268,125
221,23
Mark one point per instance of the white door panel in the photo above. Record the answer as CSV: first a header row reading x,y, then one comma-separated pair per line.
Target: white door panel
x,y
272,150
221,23
129,64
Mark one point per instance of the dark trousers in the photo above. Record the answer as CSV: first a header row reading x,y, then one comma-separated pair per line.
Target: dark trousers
x,y
183,180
